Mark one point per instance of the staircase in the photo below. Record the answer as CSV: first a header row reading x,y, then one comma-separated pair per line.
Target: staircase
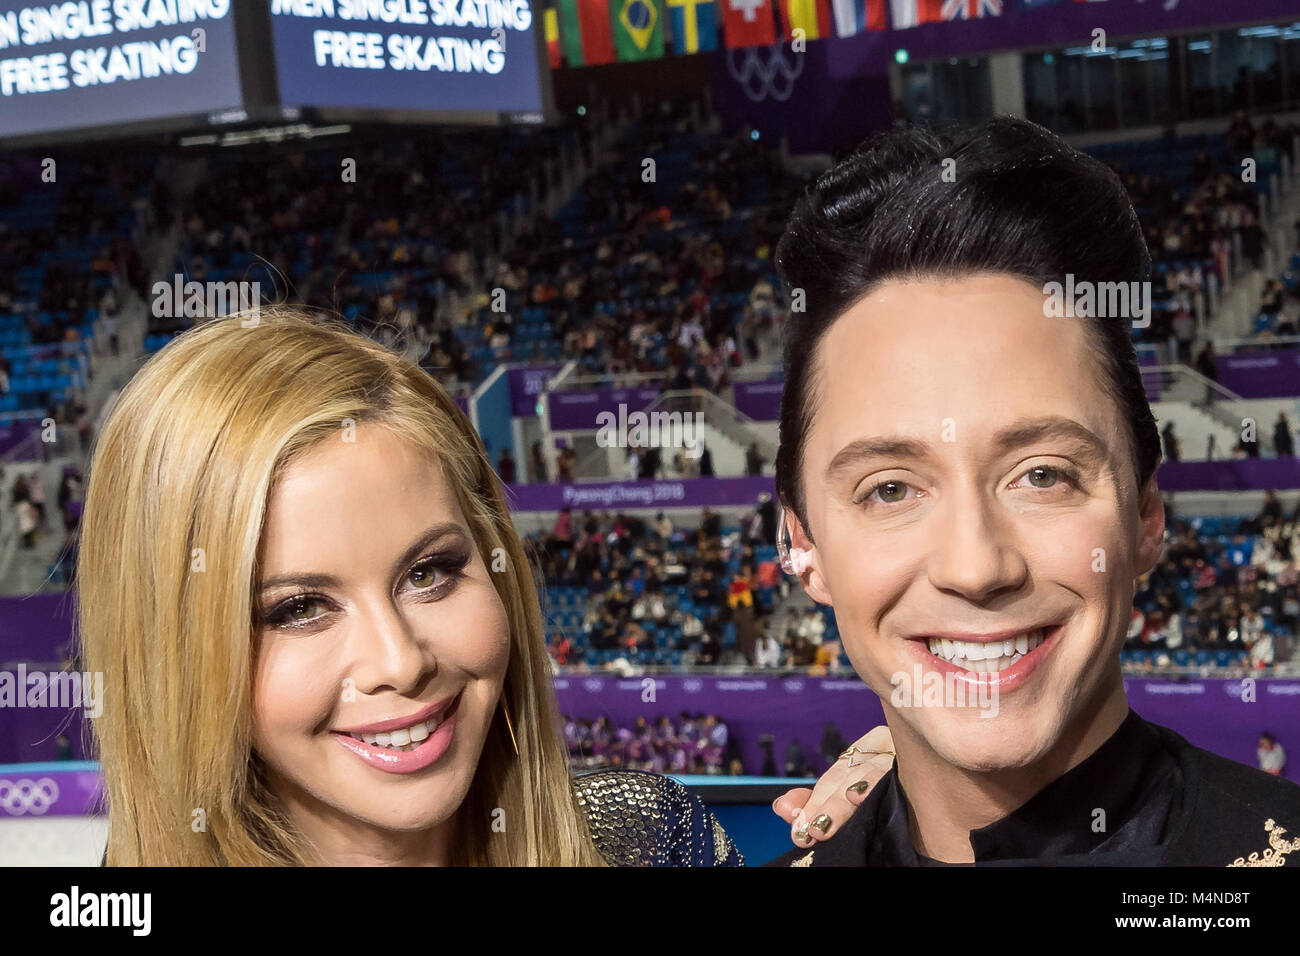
x,y
721,417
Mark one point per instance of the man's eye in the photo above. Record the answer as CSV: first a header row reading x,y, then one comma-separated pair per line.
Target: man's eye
x,y
1046,476
888,492
891,491
1043,477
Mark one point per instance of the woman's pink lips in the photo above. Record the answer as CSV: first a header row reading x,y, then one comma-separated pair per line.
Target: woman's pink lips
x,y
398,723
405,761
1003,680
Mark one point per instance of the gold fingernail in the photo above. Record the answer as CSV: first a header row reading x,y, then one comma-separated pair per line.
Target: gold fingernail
x,y
802,835
861,787
822,823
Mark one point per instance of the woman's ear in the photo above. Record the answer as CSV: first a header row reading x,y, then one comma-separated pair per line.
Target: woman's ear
x,y
804,561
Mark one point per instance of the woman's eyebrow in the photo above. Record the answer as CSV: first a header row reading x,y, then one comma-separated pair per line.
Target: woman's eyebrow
x,y
412,552
433,534
1021,432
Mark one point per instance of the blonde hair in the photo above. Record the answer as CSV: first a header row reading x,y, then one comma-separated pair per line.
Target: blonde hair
x,y
181,473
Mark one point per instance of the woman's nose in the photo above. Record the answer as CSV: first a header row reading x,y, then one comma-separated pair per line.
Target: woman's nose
x,y
389,654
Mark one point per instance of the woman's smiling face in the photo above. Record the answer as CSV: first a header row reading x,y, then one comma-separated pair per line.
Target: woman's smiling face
x,y
968,476
378,617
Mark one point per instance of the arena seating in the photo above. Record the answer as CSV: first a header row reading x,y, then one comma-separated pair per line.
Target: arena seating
x,y
62,249
612,280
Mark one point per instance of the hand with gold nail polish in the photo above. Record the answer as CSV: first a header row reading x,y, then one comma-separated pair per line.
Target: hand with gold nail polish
x,y
815,814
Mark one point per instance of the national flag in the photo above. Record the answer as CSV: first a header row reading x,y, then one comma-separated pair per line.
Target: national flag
x,y
552,26
747,23
855,16
695,25
912,13
970,9
813,17
905,14
638,29
586,32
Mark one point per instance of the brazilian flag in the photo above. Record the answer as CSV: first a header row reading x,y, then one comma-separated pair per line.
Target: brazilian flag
x,y
638,29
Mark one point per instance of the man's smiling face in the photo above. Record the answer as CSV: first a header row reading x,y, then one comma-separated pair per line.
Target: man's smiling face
x,y
969,475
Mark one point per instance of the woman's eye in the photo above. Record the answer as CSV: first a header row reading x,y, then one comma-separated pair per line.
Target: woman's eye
x,y
295,612
423,575
438,574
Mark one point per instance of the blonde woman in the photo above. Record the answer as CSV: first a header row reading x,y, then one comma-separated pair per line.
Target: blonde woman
x,y
320,637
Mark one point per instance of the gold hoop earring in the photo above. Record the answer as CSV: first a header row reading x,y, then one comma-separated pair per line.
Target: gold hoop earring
x,y
509,726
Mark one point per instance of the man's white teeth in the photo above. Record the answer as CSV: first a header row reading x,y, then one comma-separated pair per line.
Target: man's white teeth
x,y
985,657
406,739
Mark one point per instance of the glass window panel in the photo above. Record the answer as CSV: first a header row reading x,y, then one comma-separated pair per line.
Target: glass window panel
x,y
979,88
1041,104
916,92
1231,71
1200,78
1100,71
947,91
1166,99
1172,98
1134,89
962,90
1263,67
1069,85
1289,42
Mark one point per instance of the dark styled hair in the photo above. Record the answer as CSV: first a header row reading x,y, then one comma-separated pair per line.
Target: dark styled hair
x,y
1016,199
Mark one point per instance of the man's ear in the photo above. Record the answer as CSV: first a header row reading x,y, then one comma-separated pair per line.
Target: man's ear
x,y
1151,528
808,570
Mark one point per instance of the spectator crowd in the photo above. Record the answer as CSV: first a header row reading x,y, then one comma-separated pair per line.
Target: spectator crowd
x,y
698,743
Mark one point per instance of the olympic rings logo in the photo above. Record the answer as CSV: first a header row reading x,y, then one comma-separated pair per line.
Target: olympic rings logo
x,y
28,796
759,80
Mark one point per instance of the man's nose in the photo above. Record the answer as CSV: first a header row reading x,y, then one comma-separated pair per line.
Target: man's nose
x,y
974,552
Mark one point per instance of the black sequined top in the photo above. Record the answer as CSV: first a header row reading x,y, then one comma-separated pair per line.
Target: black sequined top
x,y
645,819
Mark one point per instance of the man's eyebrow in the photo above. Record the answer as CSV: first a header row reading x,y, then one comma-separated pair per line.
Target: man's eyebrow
x,y
1025,431
431,535
1018,433
864,448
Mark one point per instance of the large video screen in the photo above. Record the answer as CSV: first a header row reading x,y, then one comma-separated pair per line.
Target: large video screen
x,y
99,63
408,55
